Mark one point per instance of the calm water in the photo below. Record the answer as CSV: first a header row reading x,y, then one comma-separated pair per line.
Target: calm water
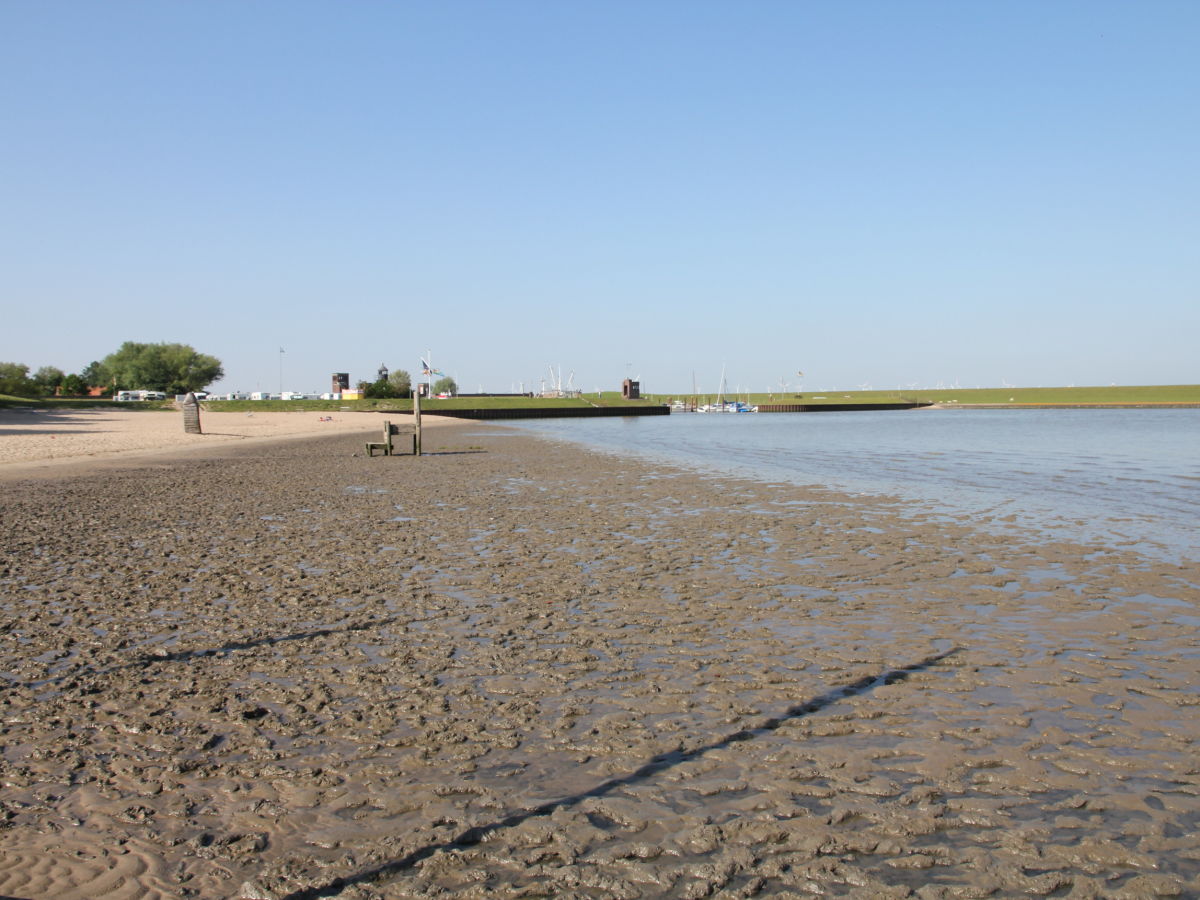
x,y
1119,477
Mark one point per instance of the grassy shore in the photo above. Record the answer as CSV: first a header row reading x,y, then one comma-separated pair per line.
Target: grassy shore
x,y
1113,395
432,406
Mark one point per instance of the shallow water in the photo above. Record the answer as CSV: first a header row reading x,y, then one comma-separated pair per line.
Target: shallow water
x,y
1127,477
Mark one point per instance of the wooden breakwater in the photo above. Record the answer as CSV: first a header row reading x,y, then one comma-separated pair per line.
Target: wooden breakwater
x,y
836,407
551,412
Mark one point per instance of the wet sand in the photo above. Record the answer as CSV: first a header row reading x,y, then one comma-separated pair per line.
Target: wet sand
x,y
514,669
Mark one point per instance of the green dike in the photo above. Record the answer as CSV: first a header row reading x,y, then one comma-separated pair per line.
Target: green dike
x,y
1015,397
8,401
431,406
392,405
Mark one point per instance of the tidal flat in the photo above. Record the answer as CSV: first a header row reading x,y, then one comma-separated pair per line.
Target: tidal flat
x,y
510,668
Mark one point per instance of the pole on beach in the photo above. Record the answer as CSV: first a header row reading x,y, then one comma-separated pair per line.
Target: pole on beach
x,y
191,414
417,421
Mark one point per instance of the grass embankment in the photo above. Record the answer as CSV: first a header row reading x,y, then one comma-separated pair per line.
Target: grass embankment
x,y
1058,396
432,406
1078,396
8,401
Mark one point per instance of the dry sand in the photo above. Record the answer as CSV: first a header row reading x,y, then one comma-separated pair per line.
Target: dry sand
x,y
509,669
42,441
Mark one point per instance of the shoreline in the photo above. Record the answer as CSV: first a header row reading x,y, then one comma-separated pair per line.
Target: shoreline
x,y
282,668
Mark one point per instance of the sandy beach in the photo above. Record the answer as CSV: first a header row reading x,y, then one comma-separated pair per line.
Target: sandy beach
x,y
279,670
43,441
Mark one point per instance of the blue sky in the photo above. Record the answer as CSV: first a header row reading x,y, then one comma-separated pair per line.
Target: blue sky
x,y
884,193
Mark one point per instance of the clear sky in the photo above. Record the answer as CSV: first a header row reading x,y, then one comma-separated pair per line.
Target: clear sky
x,y
884,193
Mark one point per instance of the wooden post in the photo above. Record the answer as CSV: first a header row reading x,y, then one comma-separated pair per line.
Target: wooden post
x,y
191,414
417,419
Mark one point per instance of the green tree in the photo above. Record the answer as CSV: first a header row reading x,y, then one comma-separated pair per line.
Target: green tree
x,y
14,380
172,368
401,383
380,390
74,385
445,385
96,375
48,379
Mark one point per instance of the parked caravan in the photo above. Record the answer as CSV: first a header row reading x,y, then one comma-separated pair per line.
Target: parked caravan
x,y
132,396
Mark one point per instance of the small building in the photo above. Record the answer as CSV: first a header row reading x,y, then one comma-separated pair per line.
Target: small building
x,y
631,390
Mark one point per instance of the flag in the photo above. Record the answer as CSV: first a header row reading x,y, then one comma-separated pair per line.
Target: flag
x,y
426,369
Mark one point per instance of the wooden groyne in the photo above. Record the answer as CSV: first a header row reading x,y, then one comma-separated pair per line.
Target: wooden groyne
x,y
552,412
836,407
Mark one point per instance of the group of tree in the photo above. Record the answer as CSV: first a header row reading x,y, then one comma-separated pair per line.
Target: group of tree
x,y
16,381
399,384
170,368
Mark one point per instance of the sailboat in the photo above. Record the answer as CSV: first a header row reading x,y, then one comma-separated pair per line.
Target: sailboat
x,y
726,406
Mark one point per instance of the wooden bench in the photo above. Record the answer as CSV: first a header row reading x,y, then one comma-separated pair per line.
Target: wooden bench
x,y
387,446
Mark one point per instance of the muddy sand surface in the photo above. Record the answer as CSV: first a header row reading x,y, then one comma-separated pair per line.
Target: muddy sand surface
x,y
512,669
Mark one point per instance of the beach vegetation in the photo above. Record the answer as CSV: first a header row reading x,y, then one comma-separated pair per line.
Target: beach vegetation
x,y
445,385
74,386
95,375
170,368
49,379
15,380
378,390
401,382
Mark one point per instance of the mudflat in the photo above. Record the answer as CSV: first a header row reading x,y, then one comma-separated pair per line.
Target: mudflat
x,y
513,669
